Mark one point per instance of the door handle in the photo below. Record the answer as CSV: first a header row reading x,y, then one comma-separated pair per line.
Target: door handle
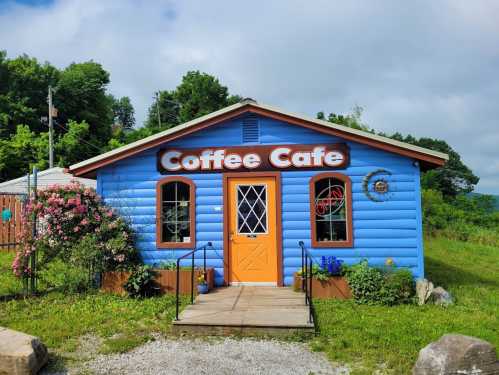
x,y
231,236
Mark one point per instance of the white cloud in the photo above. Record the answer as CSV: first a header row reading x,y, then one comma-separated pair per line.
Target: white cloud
x,y
428,68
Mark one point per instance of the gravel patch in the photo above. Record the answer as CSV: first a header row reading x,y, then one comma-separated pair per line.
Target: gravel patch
x,y
217,356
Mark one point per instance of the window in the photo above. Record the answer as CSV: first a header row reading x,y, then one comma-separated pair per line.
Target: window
x,y
331,210
175,213
251,209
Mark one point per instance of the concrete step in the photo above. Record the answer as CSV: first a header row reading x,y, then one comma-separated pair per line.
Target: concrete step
x,y
248,311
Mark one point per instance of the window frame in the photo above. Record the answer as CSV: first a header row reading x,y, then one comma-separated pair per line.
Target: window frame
x,y
192,214
348,212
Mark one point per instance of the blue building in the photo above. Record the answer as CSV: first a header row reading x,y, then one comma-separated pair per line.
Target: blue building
x,y
255,180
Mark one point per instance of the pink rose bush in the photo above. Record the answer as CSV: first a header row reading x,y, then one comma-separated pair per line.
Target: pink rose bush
x,y
76,227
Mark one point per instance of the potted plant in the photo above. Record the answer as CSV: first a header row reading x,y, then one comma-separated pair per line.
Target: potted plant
x,y
328,280
202,285
165,276
141,282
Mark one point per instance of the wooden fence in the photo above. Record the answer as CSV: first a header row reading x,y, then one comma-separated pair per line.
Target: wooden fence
x,y
10,228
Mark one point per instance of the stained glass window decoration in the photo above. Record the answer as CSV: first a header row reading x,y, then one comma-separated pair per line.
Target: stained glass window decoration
x,y
330,210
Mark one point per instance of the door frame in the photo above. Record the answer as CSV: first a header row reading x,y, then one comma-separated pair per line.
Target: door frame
x,y
226,209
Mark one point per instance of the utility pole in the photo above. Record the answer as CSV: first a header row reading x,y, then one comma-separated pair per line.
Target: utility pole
x,y
157,108
51,131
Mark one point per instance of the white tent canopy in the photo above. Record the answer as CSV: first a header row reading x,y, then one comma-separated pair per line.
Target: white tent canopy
x,y
45,178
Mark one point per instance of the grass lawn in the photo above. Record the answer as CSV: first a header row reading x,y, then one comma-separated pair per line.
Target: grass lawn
x,y
113,323
367,337
389,338
60,319
9,284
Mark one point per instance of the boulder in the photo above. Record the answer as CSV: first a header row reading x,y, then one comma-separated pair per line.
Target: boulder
x,y
20,353
441,297
457,354
423,290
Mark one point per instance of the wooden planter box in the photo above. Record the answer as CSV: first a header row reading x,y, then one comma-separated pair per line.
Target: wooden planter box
x,y
334,287
166,280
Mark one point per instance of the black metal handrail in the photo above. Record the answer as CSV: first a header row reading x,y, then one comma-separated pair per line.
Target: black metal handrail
x,y
192,254
306,279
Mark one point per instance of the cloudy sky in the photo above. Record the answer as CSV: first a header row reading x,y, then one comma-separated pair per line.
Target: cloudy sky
x,y
429,68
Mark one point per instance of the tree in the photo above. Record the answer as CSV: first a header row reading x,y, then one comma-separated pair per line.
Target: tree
x,y
123,137
4,102
83,127
124,114
26,149
452,179
168,112
81,96
69,148
22,151
198,94
23,92
352,120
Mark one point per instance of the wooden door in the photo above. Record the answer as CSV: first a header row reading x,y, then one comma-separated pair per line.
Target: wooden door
x,y
252,230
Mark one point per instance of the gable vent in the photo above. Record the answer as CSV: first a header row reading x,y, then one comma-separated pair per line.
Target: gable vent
x,y
251,129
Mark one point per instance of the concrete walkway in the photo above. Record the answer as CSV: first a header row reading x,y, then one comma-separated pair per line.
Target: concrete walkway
x,y
248,310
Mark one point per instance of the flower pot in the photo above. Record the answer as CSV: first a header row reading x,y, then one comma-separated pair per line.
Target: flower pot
x,y
166,279
334,287
202,288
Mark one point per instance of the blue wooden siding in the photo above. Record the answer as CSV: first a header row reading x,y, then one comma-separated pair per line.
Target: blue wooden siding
x,y
381,230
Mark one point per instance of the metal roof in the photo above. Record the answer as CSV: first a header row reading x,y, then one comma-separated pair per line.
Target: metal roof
x,y
45,178
143,144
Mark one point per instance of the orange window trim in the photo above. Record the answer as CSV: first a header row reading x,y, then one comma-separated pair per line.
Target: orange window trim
x,y
348,201
192,214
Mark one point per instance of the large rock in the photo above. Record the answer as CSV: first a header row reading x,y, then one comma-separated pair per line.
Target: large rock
x,y
457,354
441,297
20,353
423,290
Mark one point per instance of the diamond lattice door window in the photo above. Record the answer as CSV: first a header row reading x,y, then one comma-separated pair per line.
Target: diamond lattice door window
x,y
251,209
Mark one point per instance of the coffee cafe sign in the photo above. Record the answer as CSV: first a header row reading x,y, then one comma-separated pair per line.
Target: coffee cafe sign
x,y
255,158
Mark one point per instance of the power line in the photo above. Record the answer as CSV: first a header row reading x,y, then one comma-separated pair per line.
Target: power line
x,y
157,107
157,96
80,139
51,129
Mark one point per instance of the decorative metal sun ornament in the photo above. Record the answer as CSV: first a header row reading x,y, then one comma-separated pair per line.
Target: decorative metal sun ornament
x,y
380,185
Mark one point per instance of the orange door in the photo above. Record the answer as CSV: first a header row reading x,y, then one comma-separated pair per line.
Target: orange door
x,y
252,230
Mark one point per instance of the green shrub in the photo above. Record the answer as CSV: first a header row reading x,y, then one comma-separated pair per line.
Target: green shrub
x,y
372,286
366,283
167,265
464,218
77,228
398,287
141,282
64,277
485,236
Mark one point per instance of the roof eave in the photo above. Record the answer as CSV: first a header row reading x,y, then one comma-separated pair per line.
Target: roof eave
x,y
428,158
